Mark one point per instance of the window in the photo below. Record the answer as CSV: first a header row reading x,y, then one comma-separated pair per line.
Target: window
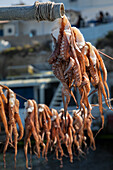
x,y
9,30
1,32
33,32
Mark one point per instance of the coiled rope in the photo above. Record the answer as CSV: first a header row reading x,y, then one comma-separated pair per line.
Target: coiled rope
x,y
48,10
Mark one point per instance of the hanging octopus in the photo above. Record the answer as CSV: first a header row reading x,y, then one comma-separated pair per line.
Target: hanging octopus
x,y
68,131
57,136
59,58
18,119
31,127
81,125
2,111
78,137
77,63
11,109
94,72
45,124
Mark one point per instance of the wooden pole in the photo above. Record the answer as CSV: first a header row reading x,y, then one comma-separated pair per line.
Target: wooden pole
x,y
40,11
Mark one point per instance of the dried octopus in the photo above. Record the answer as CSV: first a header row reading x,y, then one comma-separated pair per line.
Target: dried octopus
x,y
31,128
9,112
45,124
49,130
73,134
77,64
57,135
80,125
13,117
2,111
59,65
68,130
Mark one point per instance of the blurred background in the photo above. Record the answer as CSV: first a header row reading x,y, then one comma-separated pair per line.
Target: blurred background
x,y
25,47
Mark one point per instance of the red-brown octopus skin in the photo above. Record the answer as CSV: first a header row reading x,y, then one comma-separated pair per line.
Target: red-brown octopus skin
x,y
30,129
11,109
101,82
101,86
88,70
104,80
68,130
79,129
64,55
2,111
12,114
57,68
85,125
78,76
44,116
57,135
18,119
36,123
103,70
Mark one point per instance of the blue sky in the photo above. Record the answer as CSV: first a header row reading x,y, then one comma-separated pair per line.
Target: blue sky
x,y
11,2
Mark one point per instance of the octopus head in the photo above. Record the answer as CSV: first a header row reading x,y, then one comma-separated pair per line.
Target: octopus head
x,y
11,98
59,24
55,32
92,53
29,106
54,114
41,108
79,38
61,110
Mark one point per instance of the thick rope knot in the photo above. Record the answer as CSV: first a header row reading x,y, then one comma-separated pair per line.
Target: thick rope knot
x,y
48,11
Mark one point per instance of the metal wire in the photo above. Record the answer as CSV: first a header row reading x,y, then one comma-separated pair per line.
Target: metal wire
x,y
105,55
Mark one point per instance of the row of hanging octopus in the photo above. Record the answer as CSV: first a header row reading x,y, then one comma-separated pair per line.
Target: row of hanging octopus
x,y
77,64
47,126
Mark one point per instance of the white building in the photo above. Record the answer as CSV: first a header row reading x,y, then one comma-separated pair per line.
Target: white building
x,y
31,28
88,8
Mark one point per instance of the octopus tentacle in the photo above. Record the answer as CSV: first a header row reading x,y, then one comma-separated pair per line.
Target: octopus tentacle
x,y
36,123
2,111
15,132
26,141
102,86
18,119
5,149
35,135
100,108
104,72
